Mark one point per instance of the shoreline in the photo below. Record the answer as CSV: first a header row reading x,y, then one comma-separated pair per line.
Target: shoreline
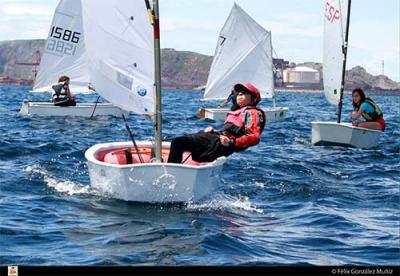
x,y
278,90
307,91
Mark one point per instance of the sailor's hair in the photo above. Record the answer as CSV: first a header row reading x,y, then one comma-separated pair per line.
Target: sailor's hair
x,y
63,79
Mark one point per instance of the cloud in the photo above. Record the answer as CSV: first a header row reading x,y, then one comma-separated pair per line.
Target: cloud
x,y
296,26
173,23
283,27
34,30
305,24
25,8
22,19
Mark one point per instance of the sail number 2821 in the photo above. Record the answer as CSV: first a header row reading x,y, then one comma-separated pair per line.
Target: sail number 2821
x,y
63,41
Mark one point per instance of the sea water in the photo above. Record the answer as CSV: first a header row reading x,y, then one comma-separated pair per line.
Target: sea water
x,y
282,202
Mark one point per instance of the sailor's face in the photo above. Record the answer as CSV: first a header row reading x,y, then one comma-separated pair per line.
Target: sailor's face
x,y
356,97
243,99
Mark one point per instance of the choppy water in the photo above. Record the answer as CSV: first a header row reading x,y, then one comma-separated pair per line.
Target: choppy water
x,y
282,202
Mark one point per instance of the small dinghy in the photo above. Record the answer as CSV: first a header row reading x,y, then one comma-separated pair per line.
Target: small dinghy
x,y
242,43
81,109
116,169
127,72
343,134
336,32
65,54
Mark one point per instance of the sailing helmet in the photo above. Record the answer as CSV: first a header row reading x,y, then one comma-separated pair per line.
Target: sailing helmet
x,y
248,87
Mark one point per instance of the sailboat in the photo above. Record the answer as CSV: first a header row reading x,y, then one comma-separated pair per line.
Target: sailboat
x,y
336,33
65,54
243,54
125,65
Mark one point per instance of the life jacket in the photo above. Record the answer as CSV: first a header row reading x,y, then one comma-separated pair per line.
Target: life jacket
x,y
235,124
375,115
60,93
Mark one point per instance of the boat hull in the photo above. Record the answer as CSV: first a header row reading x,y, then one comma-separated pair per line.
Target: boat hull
x,y
151,182
81,109
343,134
272,114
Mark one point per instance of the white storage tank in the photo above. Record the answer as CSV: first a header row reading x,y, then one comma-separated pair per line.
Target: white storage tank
x,y
301,74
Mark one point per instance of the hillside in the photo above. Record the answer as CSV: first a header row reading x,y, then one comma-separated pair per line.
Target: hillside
x,y
359,77
179,68
18,51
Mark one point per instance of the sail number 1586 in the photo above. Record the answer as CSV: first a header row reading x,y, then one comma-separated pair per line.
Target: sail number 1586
x,y
64,34
62,41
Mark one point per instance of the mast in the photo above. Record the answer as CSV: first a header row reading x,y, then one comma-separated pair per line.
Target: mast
x,y
272,68
157,62
344,50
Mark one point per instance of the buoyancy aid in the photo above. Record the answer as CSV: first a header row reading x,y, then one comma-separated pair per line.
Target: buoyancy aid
x,y
235,123
60,92
375,115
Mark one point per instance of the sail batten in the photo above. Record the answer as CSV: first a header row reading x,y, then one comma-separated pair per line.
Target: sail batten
x,y
243,54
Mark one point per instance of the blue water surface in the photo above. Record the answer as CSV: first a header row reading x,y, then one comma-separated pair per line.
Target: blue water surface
x,y
283,202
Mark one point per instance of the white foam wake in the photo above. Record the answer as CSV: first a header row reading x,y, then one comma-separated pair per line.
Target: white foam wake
x,y
228,203
62,186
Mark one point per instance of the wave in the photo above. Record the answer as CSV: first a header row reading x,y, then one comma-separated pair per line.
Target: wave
x,y
226,203
62,186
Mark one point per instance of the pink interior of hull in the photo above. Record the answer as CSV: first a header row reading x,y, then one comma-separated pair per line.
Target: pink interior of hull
x,y
118,156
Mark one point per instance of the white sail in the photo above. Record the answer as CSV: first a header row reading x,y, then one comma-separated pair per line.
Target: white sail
x,y
334,36
243,54
65,50
119,44
123,39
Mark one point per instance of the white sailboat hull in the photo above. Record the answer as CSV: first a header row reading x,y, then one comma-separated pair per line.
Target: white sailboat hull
x,y
81,109
272,114
343,134
151,182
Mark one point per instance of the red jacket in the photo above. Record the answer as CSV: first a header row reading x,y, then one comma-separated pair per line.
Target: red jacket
x,y
244,126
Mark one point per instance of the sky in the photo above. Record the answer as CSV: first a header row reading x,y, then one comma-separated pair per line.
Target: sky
x,y
296,26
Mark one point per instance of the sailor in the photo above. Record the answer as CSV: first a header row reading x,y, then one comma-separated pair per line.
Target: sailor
x,y
368,109
242,129
231,98
62,95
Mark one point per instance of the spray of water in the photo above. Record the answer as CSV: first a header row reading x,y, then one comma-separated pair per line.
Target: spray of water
x,y
61,186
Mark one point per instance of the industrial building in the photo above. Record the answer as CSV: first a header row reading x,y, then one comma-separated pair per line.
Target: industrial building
x,y
301,75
